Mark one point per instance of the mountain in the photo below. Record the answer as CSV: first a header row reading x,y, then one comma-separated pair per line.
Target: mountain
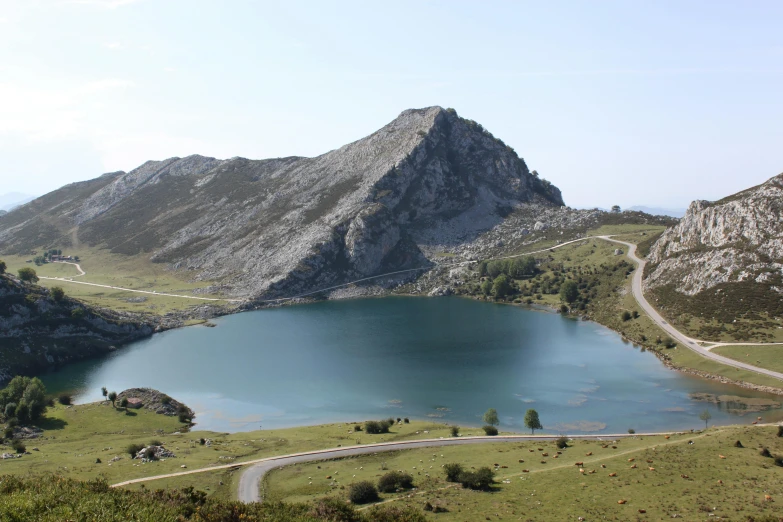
x,y
280,226
38,331
11,200
655,211
725,257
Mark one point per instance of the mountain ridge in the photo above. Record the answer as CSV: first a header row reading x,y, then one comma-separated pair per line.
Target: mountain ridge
x,y
260,228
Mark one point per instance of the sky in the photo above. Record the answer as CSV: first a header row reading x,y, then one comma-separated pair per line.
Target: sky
x,y
615,102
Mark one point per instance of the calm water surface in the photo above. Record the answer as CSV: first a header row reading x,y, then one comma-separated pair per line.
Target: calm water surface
x,y
448,359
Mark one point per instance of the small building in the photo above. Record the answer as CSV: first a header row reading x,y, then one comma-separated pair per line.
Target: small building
x,y
135,403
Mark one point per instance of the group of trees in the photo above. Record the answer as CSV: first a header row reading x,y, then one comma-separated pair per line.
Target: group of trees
x,y
517,268
365,491
480,479
47,256
375,427
23,399
491,421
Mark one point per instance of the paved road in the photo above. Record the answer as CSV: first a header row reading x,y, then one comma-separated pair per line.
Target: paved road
x,y
688,342
249,490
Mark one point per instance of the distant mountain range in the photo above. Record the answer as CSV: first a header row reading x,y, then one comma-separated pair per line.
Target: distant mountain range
x,y
672,212
11,200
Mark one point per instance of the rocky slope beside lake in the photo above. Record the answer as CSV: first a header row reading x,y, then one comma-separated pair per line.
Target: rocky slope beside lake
x,y
725,255
428,180
38,331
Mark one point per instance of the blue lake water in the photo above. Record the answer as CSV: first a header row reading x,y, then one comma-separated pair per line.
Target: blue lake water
x,y
448,359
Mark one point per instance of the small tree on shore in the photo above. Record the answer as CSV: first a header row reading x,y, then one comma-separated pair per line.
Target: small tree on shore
x,y
532,421
455,431
705,416
491,417
124,403
569,291
112,397
3,267
104,392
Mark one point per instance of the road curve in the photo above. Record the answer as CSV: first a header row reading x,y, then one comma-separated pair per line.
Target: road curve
x,y
249,482
692,344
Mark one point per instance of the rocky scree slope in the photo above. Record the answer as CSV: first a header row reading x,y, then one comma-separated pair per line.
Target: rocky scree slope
x,y
279,227
37,332
728,251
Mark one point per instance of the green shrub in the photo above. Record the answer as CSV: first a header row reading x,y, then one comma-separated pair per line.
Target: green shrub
x,y
490,430
375,427
780,431
454,430
561,442
10,410
133,449
394,480
764,452
631,431
406,420
57,293
18,446
779,461
28,274
625,316
78,313
363,492
453,471
64,399
481,479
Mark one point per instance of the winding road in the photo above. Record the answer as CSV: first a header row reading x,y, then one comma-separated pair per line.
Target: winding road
x,y
249,490
693,344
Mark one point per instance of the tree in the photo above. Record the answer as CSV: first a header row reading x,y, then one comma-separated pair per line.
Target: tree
x,y
491,417
486,287
705,416
112,397
455,431
57,293
104,392
3,266
453,471
501,287
569,291
615,209
625,316
28,274
124,403
394,480
481,479
532,421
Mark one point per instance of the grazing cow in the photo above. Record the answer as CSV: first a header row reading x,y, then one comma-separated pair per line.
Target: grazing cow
x,y
580,464
588,453
721,456
622,501
651,469
612,474
684,476
603,465
633,467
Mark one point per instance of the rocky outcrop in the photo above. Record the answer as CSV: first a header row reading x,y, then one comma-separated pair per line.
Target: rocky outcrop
x,y
156,401
37,331
738,239
290,225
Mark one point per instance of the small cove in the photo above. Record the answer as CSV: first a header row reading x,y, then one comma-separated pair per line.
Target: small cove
x,y
447,359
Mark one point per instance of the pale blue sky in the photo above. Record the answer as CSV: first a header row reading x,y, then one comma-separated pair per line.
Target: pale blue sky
x,y
623,102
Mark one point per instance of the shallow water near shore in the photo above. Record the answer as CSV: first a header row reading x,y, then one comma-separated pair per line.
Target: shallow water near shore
x,y
448,359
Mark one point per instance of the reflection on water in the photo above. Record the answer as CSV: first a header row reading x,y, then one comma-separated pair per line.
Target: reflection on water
x,y
448,359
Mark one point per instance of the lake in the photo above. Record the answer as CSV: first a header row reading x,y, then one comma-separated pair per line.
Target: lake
x,y
447,359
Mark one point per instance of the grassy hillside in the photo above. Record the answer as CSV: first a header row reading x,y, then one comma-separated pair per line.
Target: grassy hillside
x,y
689,478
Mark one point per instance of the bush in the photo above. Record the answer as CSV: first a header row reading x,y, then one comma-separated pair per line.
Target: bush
x,y
738,444
625,316
124,402
764,452
363,492
8,433
481,479
149,453
18,446
563,309
28,274
779,461
635,314
394,480
57,293
133,449
3,266
453,471
561,442
375,427
490,430
155,442
10,410
780,431
77,313
64,399
631,431
406,420
455,431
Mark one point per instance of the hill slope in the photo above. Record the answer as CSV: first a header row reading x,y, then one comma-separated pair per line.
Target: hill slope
x,y
38,331
279,226
724,259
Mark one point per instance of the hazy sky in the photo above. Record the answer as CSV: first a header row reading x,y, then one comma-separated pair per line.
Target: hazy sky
x,y
625,102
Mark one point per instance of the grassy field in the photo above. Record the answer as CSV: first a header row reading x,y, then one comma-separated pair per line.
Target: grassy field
x,y
74,437
765,356
692,481
133,272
